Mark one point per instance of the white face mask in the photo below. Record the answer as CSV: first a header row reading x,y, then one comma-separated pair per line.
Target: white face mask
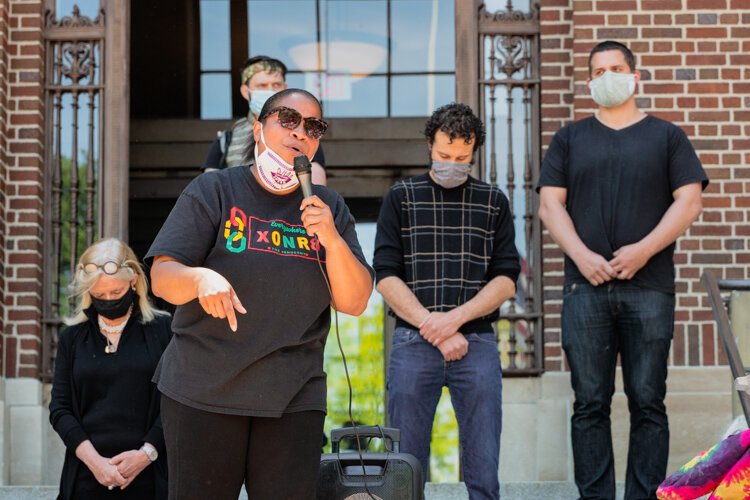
x,y
612,89
273,171
257,99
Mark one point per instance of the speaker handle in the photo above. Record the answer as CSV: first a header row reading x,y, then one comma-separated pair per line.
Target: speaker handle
x,y
390,435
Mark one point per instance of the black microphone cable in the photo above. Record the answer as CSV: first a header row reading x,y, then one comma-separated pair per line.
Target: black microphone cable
x,y
348,379
302,168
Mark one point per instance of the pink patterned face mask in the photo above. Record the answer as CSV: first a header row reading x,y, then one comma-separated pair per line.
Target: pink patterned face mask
x,y
273,171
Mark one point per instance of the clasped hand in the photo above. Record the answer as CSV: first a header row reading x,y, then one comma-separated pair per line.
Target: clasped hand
x,y
441,330
129,464
627,261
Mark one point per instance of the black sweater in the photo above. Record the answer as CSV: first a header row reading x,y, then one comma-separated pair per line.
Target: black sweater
x,y
446,244
109,398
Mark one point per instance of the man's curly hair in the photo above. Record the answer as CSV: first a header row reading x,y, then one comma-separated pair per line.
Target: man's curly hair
x,y
455,120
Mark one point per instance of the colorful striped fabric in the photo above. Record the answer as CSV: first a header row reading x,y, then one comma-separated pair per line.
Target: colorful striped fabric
x,y
723,471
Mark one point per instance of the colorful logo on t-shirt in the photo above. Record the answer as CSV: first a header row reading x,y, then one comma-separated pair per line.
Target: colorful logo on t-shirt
x,y
276,236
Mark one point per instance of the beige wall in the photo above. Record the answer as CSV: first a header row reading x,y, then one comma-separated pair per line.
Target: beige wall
x,y
535,439
536,422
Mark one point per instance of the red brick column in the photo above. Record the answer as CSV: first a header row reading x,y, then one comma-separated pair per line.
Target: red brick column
x,y
22,133
557,110
694,63
3,158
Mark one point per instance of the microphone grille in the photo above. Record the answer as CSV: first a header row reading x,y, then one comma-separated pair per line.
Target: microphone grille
x,y
302,164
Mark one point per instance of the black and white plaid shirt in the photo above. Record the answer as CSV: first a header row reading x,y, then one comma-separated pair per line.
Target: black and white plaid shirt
x,y
446,244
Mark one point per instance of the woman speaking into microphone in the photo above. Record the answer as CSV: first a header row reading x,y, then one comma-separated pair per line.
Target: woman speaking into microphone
x,y
247,260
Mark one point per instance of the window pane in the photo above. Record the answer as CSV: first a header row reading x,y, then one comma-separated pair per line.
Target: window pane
x,y
354,36
420,95
88,8
215,51
216,101
367,97
496,5
297,81
277,26
422,34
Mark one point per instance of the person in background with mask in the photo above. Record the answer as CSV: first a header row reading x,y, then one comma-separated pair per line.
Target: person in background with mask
x,y
616,190
103,405
261,77
445,260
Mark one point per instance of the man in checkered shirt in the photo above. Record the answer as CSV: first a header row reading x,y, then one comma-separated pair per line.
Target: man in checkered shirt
x,y
445,260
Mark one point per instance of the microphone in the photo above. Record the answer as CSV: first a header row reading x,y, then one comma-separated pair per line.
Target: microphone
x,y
303,170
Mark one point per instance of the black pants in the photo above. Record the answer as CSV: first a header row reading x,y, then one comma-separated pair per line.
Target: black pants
x,y
212,454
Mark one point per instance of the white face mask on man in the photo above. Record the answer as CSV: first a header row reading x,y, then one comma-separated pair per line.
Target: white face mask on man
x,y
258,98
612,89
275,173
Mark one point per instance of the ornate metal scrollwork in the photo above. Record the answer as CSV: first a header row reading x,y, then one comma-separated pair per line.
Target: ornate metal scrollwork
x,y
73,92
510,15
512,55
77,61
76,20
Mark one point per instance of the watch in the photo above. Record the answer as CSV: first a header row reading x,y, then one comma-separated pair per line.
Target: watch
x,y
150,452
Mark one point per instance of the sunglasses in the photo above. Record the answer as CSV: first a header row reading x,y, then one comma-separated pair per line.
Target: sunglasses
x,y
108,267
291,118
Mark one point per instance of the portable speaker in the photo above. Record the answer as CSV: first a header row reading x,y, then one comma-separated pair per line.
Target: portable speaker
x,y
389,475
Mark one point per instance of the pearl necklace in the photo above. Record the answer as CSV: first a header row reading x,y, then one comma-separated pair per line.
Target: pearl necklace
x,y
108,330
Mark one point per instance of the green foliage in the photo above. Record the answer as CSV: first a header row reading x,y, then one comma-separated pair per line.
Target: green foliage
x,y
68,257
444,445
362,340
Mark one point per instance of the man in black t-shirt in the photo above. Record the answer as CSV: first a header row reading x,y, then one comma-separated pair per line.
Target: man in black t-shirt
x,y
616,190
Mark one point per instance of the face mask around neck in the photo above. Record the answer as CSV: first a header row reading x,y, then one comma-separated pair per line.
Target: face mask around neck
x,y
275,173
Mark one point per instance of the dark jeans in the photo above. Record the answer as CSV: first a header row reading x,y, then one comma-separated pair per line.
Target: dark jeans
x,y
416,376
212,454
597,324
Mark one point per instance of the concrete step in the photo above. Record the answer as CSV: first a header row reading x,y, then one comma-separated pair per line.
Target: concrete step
x,y
547,490
542,490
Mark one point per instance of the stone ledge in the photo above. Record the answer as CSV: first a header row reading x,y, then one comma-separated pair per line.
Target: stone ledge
x,y
549,490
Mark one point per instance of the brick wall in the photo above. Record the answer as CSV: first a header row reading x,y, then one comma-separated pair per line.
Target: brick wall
x,y
693,56
22,130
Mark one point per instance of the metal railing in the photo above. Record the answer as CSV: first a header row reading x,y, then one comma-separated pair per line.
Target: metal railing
x,y
73,94
509,102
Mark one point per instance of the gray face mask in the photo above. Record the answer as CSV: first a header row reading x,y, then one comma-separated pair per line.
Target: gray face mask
x,y
448,174
612,89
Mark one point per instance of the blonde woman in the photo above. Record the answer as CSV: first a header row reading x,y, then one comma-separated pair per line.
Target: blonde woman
x,y
104,406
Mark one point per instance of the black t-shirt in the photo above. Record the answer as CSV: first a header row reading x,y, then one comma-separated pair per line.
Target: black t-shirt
x,y
619,186
273,364
213,160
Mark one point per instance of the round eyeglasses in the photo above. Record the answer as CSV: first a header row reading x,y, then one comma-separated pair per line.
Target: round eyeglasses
x,y
108,267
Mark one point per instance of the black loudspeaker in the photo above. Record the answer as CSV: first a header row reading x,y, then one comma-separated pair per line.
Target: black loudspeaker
x,y
389,475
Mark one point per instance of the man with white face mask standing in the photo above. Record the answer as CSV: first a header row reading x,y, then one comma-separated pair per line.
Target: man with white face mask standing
x,y
445,260
261,77
616,190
